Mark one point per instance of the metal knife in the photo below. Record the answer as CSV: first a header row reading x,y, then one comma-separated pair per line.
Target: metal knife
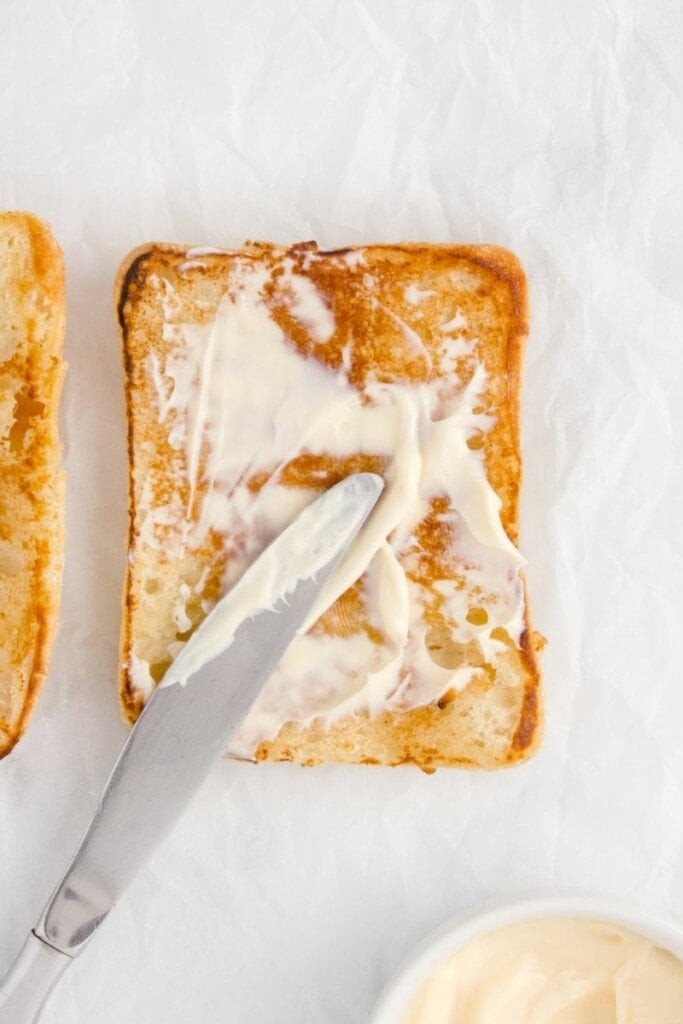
x,y
180,734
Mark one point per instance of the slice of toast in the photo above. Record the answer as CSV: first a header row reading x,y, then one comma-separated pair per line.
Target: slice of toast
x,y
255,379
32,312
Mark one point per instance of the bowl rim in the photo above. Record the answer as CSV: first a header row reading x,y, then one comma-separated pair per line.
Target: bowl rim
x,y
462,928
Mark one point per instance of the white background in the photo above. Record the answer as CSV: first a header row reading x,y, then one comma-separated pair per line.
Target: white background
x,y
289,896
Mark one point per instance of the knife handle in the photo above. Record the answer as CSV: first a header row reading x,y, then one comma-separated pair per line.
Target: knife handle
x,y
25,988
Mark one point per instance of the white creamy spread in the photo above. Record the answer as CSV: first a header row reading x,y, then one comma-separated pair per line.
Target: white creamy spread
x,y
301,552
557,971
238,399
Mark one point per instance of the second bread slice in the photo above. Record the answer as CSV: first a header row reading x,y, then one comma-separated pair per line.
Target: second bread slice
x,y
32,310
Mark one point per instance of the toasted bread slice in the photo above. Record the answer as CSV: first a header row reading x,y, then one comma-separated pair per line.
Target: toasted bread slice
x,y
32,311
256,378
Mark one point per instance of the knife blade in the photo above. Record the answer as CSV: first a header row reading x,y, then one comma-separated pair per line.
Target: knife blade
x,y
180,735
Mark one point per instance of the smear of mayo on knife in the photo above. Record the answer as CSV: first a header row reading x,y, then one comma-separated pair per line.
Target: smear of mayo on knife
x,y
301,551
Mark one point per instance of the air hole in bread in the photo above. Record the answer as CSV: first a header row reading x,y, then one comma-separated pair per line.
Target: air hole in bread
x,y
194,612
448,653
158,669
478,616
25,410
504,637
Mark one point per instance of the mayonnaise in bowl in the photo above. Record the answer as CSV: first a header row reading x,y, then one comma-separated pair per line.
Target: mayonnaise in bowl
x,y
552,961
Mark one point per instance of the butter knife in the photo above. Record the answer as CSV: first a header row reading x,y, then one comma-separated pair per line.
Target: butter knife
x,y
182,732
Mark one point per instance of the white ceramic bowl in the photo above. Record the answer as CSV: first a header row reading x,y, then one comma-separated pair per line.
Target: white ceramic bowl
x,y
458,931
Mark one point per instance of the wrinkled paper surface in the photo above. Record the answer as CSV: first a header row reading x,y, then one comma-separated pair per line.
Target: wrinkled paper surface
x,y
288,895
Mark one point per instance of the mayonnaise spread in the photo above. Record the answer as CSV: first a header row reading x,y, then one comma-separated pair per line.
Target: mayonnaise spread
x,y
557,971
301,552
239,403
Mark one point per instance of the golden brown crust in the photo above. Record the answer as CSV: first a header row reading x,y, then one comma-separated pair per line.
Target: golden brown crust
x,y
32,314
492,287
124,292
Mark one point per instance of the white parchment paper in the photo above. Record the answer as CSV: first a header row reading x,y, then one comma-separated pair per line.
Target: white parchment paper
x,y
555,129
